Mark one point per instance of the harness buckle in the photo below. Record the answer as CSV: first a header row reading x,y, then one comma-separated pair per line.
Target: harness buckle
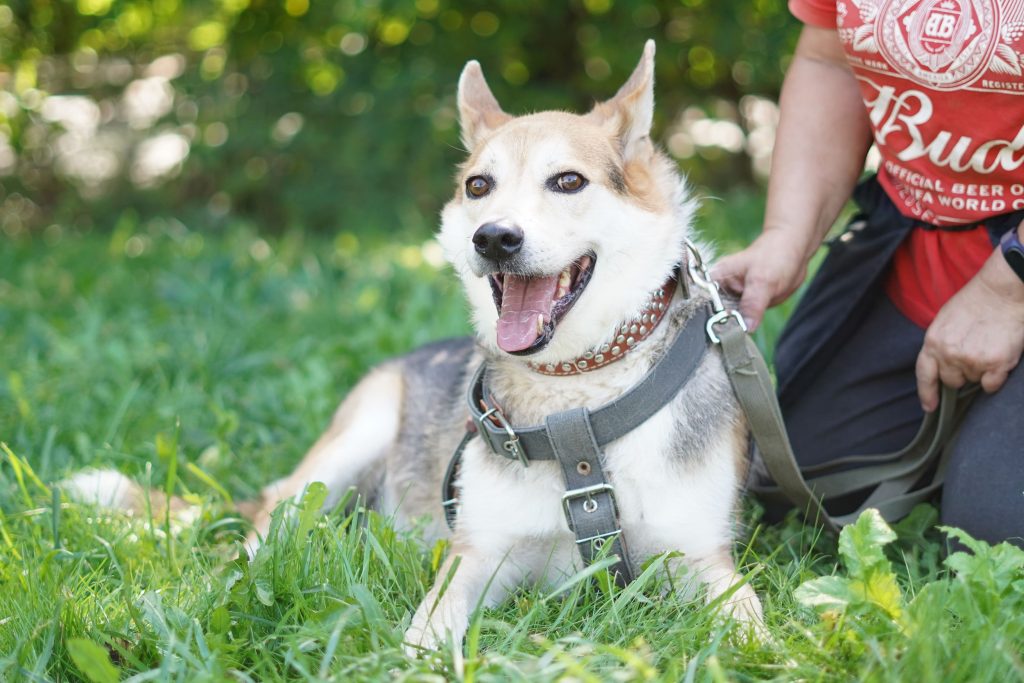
x,y
590,505
513,449
721,317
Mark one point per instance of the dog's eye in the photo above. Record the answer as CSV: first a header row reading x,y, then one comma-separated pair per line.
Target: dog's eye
x,y
478,186
568,182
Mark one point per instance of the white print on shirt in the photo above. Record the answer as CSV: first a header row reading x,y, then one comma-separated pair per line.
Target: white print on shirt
x,y
917,191
940,44
906,113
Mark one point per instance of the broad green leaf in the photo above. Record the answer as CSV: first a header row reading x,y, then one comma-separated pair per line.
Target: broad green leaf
x,y
220,620
264,591
994,568
880,589
861,543
93,661
310,509
826,592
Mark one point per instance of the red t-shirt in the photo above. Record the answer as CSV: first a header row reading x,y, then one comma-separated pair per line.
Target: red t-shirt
x,y
943,83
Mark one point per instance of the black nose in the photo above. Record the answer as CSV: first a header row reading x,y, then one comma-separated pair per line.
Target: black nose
x,y
497,242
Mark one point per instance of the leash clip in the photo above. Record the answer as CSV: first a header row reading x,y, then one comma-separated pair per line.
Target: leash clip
x,y
699,274
720,318
513,449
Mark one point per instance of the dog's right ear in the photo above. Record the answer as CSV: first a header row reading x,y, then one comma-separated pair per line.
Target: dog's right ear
x,y
629,114
479,111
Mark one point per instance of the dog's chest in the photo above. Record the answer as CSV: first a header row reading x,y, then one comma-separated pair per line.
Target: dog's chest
x,y
665,501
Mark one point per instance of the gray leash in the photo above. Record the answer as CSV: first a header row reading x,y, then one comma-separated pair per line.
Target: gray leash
x,y
892,482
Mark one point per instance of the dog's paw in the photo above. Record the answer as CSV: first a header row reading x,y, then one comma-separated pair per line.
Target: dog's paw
x,y
432,628
744,608
420,640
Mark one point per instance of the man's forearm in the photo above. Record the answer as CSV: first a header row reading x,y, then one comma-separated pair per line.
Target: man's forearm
x,y
823,136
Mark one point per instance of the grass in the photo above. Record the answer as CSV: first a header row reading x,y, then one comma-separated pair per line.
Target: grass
x,y
207,363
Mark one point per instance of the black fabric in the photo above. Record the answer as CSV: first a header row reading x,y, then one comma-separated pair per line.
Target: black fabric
x,y
849,283
849,279
845,367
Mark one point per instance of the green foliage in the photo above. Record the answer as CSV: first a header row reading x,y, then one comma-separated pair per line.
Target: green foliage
x,y
92,660
338,114
226,353
867,617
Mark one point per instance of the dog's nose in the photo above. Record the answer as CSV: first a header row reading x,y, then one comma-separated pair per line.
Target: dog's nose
x,y
497,242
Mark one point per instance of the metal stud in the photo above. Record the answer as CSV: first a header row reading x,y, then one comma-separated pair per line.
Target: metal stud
x,y
646,318
620,339
633,329
661,307
616,350
588,355
599,358
549,367
604,348
582,365
625,329
643,329
630,341
566,367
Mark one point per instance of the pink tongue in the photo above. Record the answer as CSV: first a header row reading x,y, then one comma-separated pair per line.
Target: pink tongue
x,y
522,300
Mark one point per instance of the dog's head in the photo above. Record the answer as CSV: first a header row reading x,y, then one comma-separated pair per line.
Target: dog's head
x,y
562,225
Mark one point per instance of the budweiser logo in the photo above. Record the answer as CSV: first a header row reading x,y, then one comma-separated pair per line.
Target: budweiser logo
x,y
942,44
900,119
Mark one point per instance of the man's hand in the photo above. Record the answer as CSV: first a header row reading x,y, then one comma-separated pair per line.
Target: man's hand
x,y
764,274
978,336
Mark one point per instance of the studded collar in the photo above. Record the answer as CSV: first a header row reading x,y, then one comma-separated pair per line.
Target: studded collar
x,y
628,335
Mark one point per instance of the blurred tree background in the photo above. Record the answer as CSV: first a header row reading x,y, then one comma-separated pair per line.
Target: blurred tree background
x,y
339,115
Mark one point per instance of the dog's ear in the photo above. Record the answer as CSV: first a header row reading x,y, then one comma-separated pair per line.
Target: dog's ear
x,y
479,111
629,114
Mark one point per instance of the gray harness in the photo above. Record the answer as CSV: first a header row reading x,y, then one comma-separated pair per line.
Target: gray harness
x,y
574,438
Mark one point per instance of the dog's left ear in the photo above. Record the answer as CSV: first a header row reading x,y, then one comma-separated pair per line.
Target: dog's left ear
x,y
479,111
631,111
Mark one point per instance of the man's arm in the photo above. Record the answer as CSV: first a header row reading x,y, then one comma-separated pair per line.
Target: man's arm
x,y
823,136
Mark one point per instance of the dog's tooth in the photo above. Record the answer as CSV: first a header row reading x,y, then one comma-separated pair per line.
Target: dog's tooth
x,y
565,279
540,323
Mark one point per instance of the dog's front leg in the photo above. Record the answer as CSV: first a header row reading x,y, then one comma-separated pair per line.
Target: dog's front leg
x,y
461,582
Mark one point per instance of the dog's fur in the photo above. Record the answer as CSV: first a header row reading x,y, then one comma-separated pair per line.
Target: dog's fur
x,y
677,477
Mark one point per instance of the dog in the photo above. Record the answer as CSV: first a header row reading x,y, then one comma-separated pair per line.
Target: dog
x,y
563,229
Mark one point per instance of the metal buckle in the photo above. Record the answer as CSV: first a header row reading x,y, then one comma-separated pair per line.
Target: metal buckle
x,y
511,445
720,318
588,492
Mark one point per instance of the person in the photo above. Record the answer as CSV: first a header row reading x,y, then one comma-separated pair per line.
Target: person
x,y
918,291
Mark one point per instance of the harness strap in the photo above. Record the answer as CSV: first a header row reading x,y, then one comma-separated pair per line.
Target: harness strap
x,y
589,500
612,420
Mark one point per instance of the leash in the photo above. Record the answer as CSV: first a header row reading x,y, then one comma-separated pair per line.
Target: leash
x,y
897,478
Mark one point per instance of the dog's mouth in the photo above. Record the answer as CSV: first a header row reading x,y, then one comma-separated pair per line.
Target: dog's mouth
x,y
529,308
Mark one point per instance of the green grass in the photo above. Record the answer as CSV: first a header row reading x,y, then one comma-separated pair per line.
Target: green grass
x,y
209,362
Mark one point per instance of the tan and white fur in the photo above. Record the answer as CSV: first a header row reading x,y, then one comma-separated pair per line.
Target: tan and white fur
x,y
677,477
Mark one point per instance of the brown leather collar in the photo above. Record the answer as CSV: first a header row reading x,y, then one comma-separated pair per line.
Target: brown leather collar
x,y
627,337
